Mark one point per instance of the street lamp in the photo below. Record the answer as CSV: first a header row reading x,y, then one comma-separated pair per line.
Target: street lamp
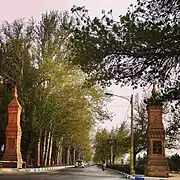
x,y
111,142
132,133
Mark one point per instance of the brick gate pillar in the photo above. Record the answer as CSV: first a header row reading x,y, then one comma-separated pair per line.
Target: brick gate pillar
x,y
13,135
157,164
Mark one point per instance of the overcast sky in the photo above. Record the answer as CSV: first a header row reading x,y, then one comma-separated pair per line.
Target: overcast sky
x,y
12,9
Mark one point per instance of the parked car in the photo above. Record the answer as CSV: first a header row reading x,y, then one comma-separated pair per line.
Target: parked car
x,y
79,163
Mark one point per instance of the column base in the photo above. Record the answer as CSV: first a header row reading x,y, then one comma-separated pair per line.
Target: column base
x,y
157,171
17,165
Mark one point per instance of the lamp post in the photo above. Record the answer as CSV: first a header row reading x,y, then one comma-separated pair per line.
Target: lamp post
x,y
111,142
132,133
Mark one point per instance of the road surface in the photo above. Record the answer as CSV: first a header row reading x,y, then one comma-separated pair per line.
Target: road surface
x,y
88,173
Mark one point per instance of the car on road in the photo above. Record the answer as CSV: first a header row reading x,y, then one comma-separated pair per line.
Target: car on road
x,y
79,163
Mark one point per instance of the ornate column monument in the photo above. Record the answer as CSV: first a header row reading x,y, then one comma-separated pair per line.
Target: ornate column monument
x,y
13,136
156,160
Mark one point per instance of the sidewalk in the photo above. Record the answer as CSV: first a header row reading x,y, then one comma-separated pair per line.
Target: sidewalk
x,y
29,170
142,177
171,177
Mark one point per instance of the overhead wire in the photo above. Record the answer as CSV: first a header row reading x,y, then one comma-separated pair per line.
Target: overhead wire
x,y
126,115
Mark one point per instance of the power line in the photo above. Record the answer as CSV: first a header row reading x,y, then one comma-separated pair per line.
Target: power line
x,y
117,106
126,115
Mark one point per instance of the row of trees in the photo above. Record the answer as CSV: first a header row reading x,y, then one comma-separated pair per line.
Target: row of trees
x,y
118,138
59,109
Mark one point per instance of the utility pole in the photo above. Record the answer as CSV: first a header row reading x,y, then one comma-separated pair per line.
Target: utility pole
x,y
111,143
132,130
132,139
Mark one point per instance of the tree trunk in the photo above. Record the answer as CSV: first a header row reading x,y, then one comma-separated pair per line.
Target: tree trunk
x,y
64,155
113,159
135,154
68,155
74,156
71,155
54,153
28,159
47,149
59,151
44,147
79,155
59,155
50,150
38,152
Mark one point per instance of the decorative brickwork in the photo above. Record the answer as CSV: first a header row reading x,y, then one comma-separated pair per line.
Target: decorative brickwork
x,y
12,152
156,161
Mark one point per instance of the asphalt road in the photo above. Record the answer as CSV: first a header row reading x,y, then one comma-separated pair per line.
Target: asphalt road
x,y
88,173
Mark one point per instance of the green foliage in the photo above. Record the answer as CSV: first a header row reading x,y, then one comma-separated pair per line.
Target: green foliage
x,y
155,99
121,141
140,126
174,162
141,46
102,144
140,164
52,91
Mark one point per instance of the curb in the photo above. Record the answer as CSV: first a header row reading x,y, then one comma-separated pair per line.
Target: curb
x,y
148,178
128,176
28,170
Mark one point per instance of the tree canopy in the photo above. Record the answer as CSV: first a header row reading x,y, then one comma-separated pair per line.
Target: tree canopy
x,y
57,104
135,49
102,143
